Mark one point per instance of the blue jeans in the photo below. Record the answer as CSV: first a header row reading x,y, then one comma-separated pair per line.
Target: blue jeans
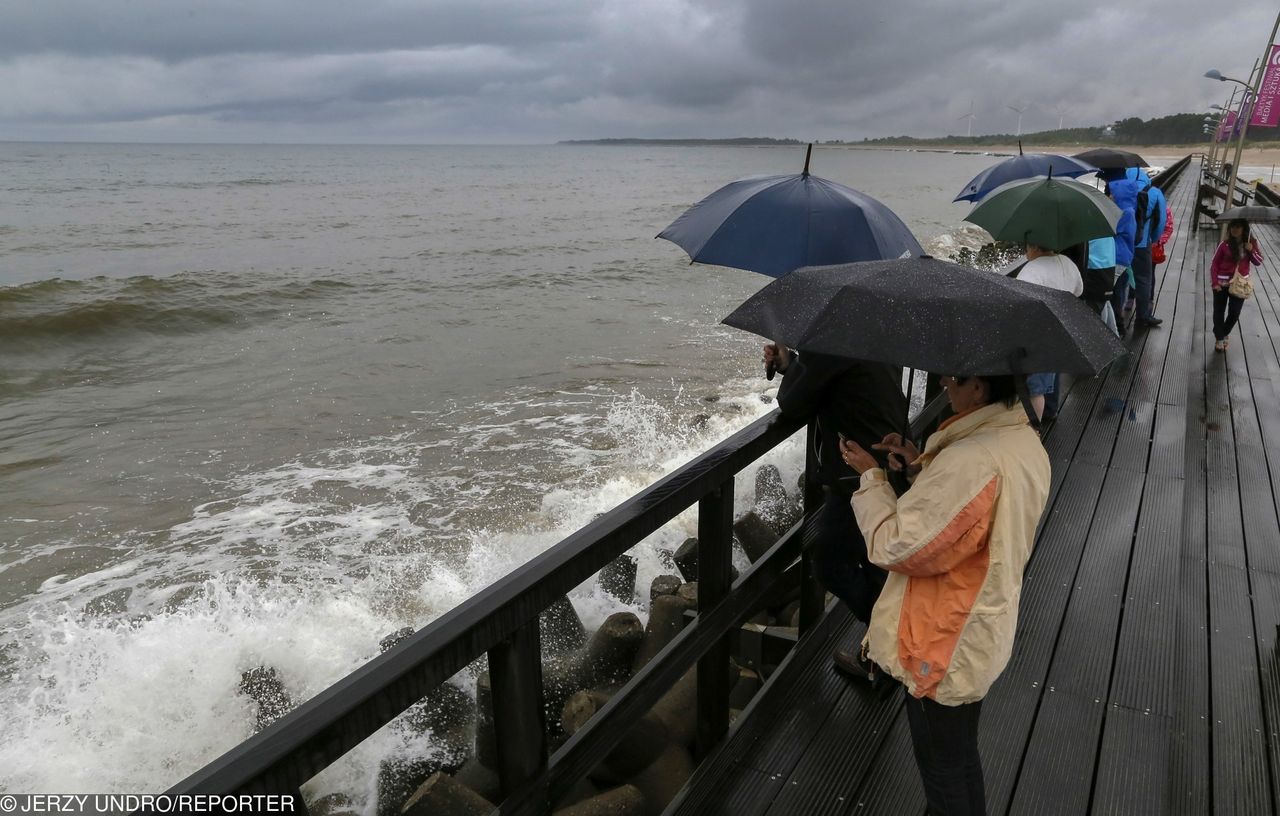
x,y
1144,281
945,742
840,556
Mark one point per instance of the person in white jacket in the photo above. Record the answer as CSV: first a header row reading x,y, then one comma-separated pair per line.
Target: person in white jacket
x,y
1047,268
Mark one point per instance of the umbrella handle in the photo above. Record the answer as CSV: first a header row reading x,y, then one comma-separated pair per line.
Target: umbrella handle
x,y
770,368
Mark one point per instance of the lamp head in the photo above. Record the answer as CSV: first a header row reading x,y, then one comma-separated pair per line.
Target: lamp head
x,y
1214,73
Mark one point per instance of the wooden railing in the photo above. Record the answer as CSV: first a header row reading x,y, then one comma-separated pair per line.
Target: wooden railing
x,y
502,622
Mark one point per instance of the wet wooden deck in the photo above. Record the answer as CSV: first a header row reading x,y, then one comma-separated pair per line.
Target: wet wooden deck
x,y
1145,677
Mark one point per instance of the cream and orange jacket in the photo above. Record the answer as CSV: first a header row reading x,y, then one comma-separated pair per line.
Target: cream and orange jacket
x,y
955,546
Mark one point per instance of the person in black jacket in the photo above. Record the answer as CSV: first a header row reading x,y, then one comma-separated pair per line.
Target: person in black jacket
x,y
861,401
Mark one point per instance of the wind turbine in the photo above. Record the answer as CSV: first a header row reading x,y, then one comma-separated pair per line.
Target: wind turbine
x,y
1019,112
970,117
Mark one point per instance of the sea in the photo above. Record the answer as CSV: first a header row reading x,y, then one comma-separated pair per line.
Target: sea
x,y
264,405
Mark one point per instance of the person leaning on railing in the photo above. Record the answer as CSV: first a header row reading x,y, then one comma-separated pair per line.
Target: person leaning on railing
x,y
955,545
862,401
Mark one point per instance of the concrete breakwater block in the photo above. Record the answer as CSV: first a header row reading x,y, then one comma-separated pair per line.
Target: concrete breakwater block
x,y
666,620
611,650
480,779
399,777
442,795
662,780
664,585
755,535
625,800
772,502
263,685
641,745
618,578
686,559
560,629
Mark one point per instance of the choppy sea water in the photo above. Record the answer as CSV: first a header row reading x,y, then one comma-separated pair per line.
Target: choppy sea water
x,y
265,405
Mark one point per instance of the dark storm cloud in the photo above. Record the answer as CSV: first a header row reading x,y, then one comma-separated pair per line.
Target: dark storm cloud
x,y
520,70
180,29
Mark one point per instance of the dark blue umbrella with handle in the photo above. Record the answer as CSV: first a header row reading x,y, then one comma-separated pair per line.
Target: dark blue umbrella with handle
x,y
1023,166
774,224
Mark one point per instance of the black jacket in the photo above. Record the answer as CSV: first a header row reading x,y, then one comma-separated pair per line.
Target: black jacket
x,y
864,401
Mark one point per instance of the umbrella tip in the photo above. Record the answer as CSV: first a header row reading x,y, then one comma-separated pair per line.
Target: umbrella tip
x,y
1019,147
807,154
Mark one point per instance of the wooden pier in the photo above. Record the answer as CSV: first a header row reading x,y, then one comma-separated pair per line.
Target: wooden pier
x,y
1145,677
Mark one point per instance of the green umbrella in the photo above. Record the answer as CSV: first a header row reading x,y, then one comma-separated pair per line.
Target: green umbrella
x,y
1048,212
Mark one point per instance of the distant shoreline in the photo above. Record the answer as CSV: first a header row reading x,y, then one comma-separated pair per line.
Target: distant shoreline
x,y
1156,154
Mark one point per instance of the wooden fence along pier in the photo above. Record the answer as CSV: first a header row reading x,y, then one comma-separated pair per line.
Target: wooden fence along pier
x,y
1144,678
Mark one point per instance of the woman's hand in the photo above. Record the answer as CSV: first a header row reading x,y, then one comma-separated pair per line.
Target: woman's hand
x,y
902,454
857,458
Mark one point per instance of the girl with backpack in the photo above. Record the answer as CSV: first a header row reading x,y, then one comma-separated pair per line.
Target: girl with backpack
x,y
1229,276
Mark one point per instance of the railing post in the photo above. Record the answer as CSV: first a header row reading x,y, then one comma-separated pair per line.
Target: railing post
x,y
715,577
515,675
812,594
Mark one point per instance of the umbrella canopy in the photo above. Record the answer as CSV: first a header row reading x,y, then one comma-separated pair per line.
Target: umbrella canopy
x,y
1253,213
1048,212
774,224
1020,167
932,315
1106,158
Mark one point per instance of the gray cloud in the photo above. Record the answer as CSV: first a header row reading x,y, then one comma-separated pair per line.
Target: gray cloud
x,y
512,70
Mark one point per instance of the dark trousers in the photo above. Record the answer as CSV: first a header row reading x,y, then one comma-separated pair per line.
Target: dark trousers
x,y
1120,296
840,556
1052,399
1226,311
1143,281
945,741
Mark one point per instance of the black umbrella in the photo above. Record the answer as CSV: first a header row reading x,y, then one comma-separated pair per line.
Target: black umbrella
x,y
1106,158
1253,213
931,315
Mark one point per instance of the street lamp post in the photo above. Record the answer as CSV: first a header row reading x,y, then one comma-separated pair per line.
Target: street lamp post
x,y
1241,124
1214,159
1251,92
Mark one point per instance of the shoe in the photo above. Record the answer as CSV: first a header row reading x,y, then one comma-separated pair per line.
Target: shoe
x,y
1149,322
851,663
1220,346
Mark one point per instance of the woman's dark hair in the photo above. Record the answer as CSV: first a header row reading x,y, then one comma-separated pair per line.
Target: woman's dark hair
x,y
1003,388
1239,248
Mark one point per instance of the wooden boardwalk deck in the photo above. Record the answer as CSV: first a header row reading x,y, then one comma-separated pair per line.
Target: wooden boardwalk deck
x,y
1145,677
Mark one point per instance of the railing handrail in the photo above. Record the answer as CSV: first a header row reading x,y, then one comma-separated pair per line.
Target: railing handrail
x,y
321,730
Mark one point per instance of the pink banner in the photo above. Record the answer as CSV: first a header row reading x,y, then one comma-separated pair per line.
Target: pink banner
x,y
1266,109
1227,127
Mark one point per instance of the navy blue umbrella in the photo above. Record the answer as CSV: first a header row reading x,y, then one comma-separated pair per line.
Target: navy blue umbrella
x,y
774,224
1022,166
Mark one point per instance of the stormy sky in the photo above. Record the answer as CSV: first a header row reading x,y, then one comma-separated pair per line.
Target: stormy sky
x,y
518,71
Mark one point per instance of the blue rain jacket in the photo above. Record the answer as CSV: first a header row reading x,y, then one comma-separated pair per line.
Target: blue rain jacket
x,y
1102,253
1124,192
1156,208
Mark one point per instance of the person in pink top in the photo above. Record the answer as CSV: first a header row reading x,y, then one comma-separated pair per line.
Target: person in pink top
x,y
1234,256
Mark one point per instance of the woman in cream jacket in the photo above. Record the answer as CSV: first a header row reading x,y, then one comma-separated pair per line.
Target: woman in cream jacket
x,y
955,546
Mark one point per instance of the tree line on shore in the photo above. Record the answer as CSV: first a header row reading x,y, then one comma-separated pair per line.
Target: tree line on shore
x,y
1177,129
